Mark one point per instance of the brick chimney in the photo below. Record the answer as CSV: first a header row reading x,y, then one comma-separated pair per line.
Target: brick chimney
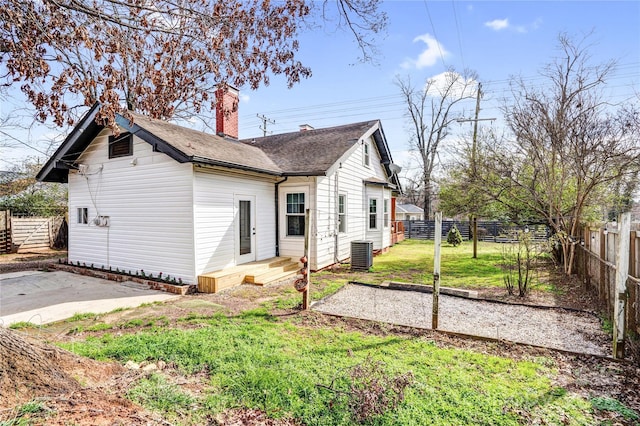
x,y
227,111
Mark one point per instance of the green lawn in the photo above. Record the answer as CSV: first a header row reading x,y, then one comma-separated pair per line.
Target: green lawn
x,y
284,365
458,267
412,261
257,361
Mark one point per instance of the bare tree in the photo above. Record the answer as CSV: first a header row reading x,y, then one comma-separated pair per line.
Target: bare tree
x,y
569,145
431,110
157,57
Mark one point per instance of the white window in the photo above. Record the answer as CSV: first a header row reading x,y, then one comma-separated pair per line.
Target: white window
x,y
342,213
83,215
385,211
295,214
366,154
373,213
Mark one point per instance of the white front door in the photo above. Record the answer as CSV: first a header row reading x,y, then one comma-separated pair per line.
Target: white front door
x,y
245,228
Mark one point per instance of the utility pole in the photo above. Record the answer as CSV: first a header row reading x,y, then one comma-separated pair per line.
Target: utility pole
x,y
474,170
265,121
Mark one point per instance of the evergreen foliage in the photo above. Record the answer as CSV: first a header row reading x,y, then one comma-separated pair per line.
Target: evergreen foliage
x,y
454,237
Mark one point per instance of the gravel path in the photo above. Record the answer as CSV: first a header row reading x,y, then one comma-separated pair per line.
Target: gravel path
x,y
553,328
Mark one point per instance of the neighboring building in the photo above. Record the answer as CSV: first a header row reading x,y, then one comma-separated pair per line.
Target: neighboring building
x,y
409,212
164,198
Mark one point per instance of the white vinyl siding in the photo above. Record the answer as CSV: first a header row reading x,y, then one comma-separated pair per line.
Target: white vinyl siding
x,y
348,178
148,200
215,212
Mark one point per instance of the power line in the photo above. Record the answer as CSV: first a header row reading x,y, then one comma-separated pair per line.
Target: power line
x,y
433,27
455,16
374,104
23,143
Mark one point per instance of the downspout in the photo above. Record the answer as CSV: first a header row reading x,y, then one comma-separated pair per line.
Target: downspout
x,y
278,216
336,218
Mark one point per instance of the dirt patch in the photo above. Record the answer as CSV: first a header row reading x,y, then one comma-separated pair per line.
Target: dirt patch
x,y
67,389
568,293
251,418
12,262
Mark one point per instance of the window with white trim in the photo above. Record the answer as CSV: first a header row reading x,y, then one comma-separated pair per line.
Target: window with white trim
x,y
366,154
385,212
373,213
342,213
83,215
295,214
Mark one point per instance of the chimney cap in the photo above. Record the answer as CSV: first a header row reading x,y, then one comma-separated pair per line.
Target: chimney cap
x,y
305,127
228,88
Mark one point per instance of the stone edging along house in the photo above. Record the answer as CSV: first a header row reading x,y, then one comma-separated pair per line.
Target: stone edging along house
x,y
164,198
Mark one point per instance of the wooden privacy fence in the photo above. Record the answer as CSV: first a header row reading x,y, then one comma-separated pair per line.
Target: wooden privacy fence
x,y
36,233
596,266
487,230
5,231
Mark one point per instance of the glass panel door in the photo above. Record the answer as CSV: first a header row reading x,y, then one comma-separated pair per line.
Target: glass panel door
x,y
245,227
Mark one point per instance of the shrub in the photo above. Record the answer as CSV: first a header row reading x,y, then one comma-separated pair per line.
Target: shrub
x,y
518,263
370,391
454,237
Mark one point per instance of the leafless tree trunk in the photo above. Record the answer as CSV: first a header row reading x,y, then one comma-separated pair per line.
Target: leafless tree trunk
x,y
431,109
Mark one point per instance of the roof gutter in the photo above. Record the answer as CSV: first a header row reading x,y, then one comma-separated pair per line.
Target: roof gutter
x,y
210,162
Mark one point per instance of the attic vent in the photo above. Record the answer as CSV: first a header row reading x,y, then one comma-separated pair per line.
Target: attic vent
x,y
121,145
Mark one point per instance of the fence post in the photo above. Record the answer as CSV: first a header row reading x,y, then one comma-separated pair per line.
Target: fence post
x,y
587,256
436,270
603,267
620,293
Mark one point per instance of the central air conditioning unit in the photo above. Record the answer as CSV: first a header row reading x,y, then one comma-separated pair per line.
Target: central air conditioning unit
x,y
361,255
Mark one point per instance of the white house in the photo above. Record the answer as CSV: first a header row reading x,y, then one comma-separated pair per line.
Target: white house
x,y
409,212
164,198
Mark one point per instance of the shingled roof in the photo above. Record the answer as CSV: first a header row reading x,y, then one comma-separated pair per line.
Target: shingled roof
x,y
310,152
201,147
306,153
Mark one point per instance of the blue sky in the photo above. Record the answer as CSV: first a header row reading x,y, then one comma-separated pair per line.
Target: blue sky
x,y
424,38
496,39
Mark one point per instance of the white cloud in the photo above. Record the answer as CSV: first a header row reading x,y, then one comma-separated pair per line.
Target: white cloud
x,y
451,84
429,56
504,24
244,98
497,24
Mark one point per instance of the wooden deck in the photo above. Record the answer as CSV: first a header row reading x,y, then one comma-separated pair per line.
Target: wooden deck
x,y
261,272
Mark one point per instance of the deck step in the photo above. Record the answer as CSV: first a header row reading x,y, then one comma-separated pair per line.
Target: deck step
x,y
273,274
260,273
